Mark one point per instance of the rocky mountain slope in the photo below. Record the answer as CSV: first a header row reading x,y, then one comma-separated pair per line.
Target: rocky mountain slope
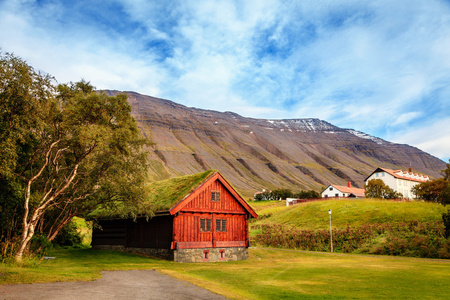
x,y
256,154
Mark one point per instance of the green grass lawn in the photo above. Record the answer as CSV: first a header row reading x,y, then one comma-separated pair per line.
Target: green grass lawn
x,y
314,215
268,274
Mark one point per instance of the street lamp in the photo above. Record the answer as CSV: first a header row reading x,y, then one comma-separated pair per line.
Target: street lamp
x,y
331,232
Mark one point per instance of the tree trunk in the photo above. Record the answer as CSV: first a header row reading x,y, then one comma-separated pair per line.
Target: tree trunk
x,y
29,227
26,238
52,234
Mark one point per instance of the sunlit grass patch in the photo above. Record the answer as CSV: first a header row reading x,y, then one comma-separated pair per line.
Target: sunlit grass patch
x,y
268,274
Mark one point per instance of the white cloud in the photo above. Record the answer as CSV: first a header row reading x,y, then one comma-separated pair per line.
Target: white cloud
x,y
407,117
433,138
373,66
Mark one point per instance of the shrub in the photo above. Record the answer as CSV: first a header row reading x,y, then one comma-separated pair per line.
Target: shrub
x,y
69,236
413,238
39,245
446,219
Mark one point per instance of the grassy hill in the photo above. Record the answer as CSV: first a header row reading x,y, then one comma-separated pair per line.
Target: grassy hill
x,y
314,215
359,226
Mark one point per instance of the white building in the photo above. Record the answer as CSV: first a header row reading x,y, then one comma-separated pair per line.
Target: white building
x,y
398,180
343,191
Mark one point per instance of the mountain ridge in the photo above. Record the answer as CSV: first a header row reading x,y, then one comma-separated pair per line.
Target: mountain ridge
x,y
255,154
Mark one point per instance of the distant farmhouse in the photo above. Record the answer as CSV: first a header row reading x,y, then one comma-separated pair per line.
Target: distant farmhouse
x,y
398,180
343,191
200,218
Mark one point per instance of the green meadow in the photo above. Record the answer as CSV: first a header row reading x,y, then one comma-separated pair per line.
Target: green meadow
x,y
268,274
277,273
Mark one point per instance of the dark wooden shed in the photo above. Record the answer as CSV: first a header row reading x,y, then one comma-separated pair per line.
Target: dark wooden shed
x,y
199,218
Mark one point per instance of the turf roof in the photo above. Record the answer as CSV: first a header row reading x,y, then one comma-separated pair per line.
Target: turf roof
x,y
162,195
166,193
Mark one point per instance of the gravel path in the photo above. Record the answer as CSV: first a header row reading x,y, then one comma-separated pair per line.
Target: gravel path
x,y
139,284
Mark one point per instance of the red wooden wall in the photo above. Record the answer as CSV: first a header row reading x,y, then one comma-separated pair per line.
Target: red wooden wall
x,y
186,227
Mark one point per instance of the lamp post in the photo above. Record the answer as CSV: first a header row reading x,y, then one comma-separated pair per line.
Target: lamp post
x,y
331,232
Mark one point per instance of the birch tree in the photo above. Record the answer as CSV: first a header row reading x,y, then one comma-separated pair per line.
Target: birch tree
x,y
69,147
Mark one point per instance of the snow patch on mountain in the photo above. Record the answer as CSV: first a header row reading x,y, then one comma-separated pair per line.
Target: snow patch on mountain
x,y
303,125
366,136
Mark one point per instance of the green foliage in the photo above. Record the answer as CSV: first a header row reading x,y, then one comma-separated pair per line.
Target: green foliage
x,y
23,92
264,196
283,194
39,245
417,239
446,220
69,236
311,194
437,190
11,208
162,195
376,188
64,150
433,190
446,172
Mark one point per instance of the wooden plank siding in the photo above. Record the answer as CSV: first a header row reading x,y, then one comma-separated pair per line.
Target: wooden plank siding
x,y
110,232
179,227
187,233
203,202
154,233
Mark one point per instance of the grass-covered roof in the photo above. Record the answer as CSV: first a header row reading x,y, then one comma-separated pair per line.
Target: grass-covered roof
x,y
162,195
166,193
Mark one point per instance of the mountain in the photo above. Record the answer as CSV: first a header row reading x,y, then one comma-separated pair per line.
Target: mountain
x,y
256,154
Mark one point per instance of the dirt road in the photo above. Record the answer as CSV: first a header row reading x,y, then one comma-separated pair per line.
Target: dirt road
x,y
142,284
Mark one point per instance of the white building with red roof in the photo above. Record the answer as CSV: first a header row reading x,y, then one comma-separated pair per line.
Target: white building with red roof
x,y
398,180
343,191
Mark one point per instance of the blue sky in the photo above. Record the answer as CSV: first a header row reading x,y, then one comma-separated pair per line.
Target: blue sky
x,y
381,67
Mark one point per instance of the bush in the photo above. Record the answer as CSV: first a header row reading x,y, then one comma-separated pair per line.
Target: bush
x,y
279,194
413,238
69,237
39,245
446,219
444,251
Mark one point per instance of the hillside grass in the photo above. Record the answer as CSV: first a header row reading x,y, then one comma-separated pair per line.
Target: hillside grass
x,y
268,274
354,213
360,226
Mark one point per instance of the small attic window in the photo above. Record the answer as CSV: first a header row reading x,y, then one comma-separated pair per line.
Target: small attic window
x,y
331,188
215,196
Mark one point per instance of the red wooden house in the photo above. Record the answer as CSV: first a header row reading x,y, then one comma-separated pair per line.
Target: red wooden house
x,y
199,218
